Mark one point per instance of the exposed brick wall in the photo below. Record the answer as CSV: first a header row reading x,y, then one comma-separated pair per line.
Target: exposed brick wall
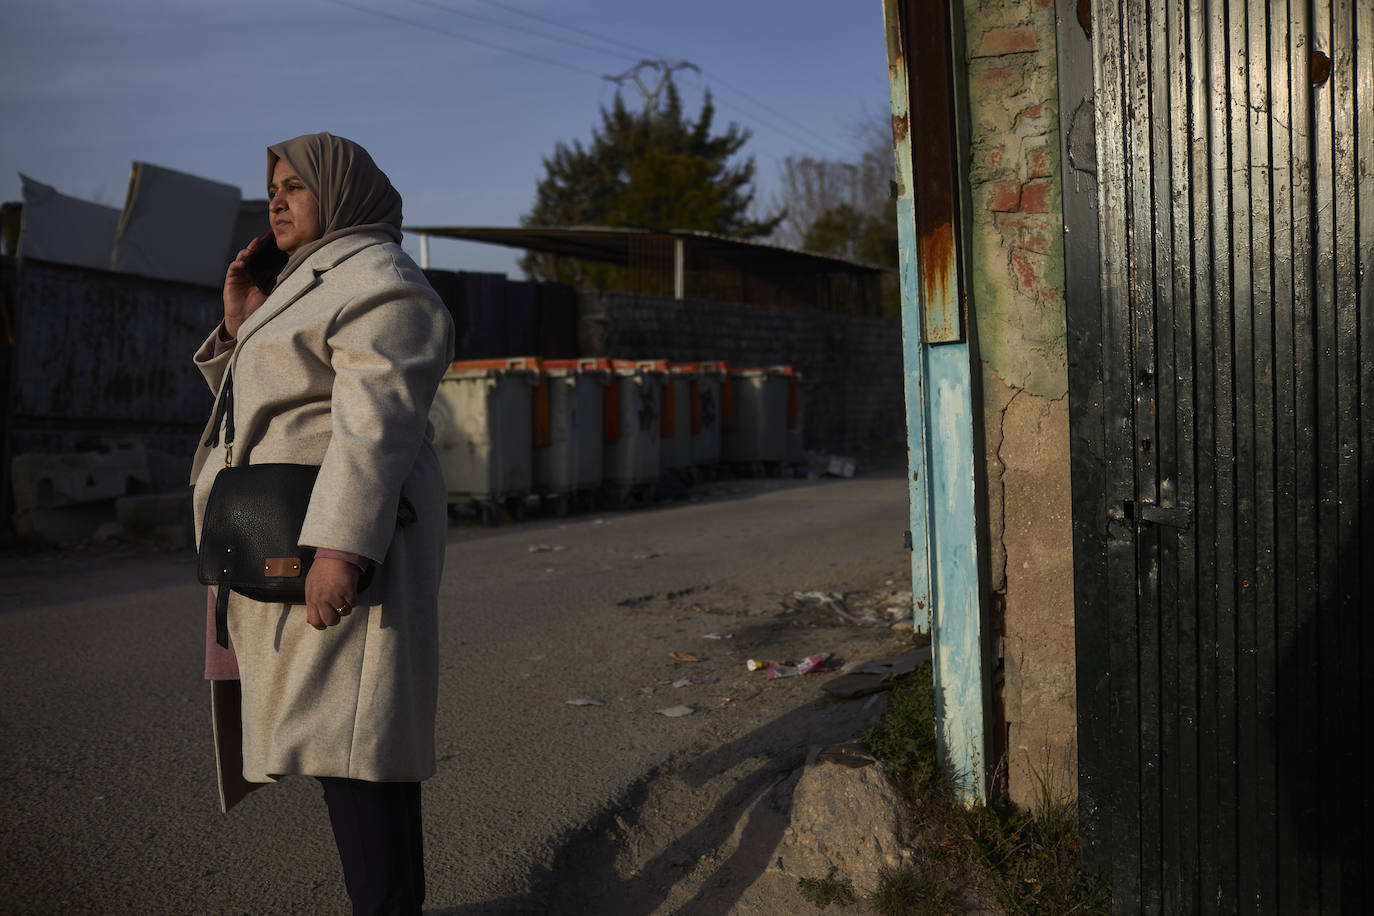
x,y
1018,282
852,365
1018,264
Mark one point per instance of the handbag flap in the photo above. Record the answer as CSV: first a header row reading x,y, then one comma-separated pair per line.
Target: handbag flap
x,y
255,514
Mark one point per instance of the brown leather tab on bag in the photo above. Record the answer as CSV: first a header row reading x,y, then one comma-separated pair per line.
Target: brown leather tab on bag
x,y
281,567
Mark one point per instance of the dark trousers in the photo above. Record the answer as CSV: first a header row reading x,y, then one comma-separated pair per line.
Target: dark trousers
x,y
381,844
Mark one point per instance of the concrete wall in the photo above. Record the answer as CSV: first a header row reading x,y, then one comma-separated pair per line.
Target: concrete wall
x,y
852,364
1017,282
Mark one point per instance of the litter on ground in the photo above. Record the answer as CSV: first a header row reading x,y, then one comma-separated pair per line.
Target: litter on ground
x,y
874,676
809,665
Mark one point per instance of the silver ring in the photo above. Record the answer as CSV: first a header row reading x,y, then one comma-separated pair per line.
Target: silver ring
x,y
343,611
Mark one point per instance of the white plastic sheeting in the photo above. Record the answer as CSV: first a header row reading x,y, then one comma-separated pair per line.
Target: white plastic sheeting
x,y
64,229
175,226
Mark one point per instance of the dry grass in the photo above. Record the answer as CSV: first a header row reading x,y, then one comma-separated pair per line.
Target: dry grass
x,y
1023,861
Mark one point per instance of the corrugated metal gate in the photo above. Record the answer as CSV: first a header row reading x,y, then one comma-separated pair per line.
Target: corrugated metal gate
x,y
1219,210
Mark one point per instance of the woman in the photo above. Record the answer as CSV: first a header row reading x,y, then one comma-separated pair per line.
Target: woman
x,y
337,367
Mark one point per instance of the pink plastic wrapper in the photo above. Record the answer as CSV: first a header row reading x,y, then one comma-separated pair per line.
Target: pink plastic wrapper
x,y
809,665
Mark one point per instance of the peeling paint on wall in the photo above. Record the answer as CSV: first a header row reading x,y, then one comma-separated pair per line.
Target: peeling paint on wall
x,y
1017,251
1017,273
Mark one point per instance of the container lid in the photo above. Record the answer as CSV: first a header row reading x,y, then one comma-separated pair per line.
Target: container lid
x,y
529,363
590,367
630,366
582,362
706,367
526,368
740,371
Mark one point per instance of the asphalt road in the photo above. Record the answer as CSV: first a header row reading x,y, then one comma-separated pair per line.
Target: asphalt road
x,y
108,802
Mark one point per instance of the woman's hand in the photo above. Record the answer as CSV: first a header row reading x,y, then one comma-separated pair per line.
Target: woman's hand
x,y
241,295
331,587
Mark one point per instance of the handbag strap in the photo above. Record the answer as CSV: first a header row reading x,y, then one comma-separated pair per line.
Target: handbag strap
x,y
222,614
224,414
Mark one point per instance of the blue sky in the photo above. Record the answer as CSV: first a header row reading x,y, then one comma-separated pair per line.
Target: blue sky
x,y
457,100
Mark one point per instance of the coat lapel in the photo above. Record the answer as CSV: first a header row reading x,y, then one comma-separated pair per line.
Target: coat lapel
x,y
302,280
305,278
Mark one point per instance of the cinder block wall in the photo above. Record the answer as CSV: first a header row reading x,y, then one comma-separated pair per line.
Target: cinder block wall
x,y
852,364
1018,291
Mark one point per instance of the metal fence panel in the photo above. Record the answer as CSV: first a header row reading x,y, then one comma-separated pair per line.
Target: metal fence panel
x,y
105,355
1222,367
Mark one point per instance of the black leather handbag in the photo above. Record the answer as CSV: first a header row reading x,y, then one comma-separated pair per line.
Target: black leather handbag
x,y
253,518
248,537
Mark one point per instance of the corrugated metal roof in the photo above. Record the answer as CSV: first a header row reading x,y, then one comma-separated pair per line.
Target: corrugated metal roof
x,y
611,244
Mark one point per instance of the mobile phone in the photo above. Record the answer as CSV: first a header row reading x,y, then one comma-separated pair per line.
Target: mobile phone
x,y
266,261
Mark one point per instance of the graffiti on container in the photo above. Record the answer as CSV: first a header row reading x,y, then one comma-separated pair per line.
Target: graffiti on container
x,y
708,409
648,408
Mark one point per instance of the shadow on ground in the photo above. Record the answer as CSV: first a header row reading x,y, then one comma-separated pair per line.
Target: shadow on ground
x,y
696,835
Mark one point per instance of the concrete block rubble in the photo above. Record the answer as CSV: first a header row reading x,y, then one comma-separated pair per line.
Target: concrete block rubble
x,y
115,490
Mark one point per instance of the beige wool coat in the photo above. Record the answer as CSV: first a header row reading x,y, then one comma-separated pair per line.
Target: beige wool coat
x,y
338,368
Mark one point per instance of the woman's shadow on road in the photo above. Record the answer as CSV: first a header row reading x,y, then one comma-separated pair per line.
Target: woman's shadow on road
x,y
713,822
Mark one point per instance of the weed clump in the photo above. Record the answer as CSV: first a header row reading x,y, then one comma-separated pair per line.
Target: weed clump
x,y
904,740
824,891
1027,861
904,892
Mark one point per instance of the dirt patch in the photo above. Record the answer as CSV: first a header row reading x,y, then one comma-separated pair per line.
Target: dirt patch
x,y
700,834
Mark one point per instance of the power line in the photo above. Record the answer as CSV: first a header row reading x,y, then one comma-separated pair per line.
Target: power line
x,y
571,28
790,133
798,125
755,117
461,37
444,7
747,97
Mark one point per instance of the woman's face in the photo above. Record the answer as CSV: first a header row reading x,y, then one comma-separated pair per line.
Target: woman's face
x,y
293,210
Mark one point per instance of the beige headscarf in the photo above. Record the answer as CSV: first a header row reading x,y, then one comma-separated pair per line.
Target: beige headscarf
x,y
354,195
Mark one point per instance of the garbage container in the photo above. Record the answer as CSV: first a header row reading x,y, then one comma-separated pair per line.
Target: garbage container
x,y
632,428
569,465
705,396
755,434
484,425
795,414
675,449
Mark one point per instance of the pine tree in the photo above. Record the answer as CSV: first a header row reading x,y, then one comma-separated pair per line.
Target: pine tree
x,y
653,169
